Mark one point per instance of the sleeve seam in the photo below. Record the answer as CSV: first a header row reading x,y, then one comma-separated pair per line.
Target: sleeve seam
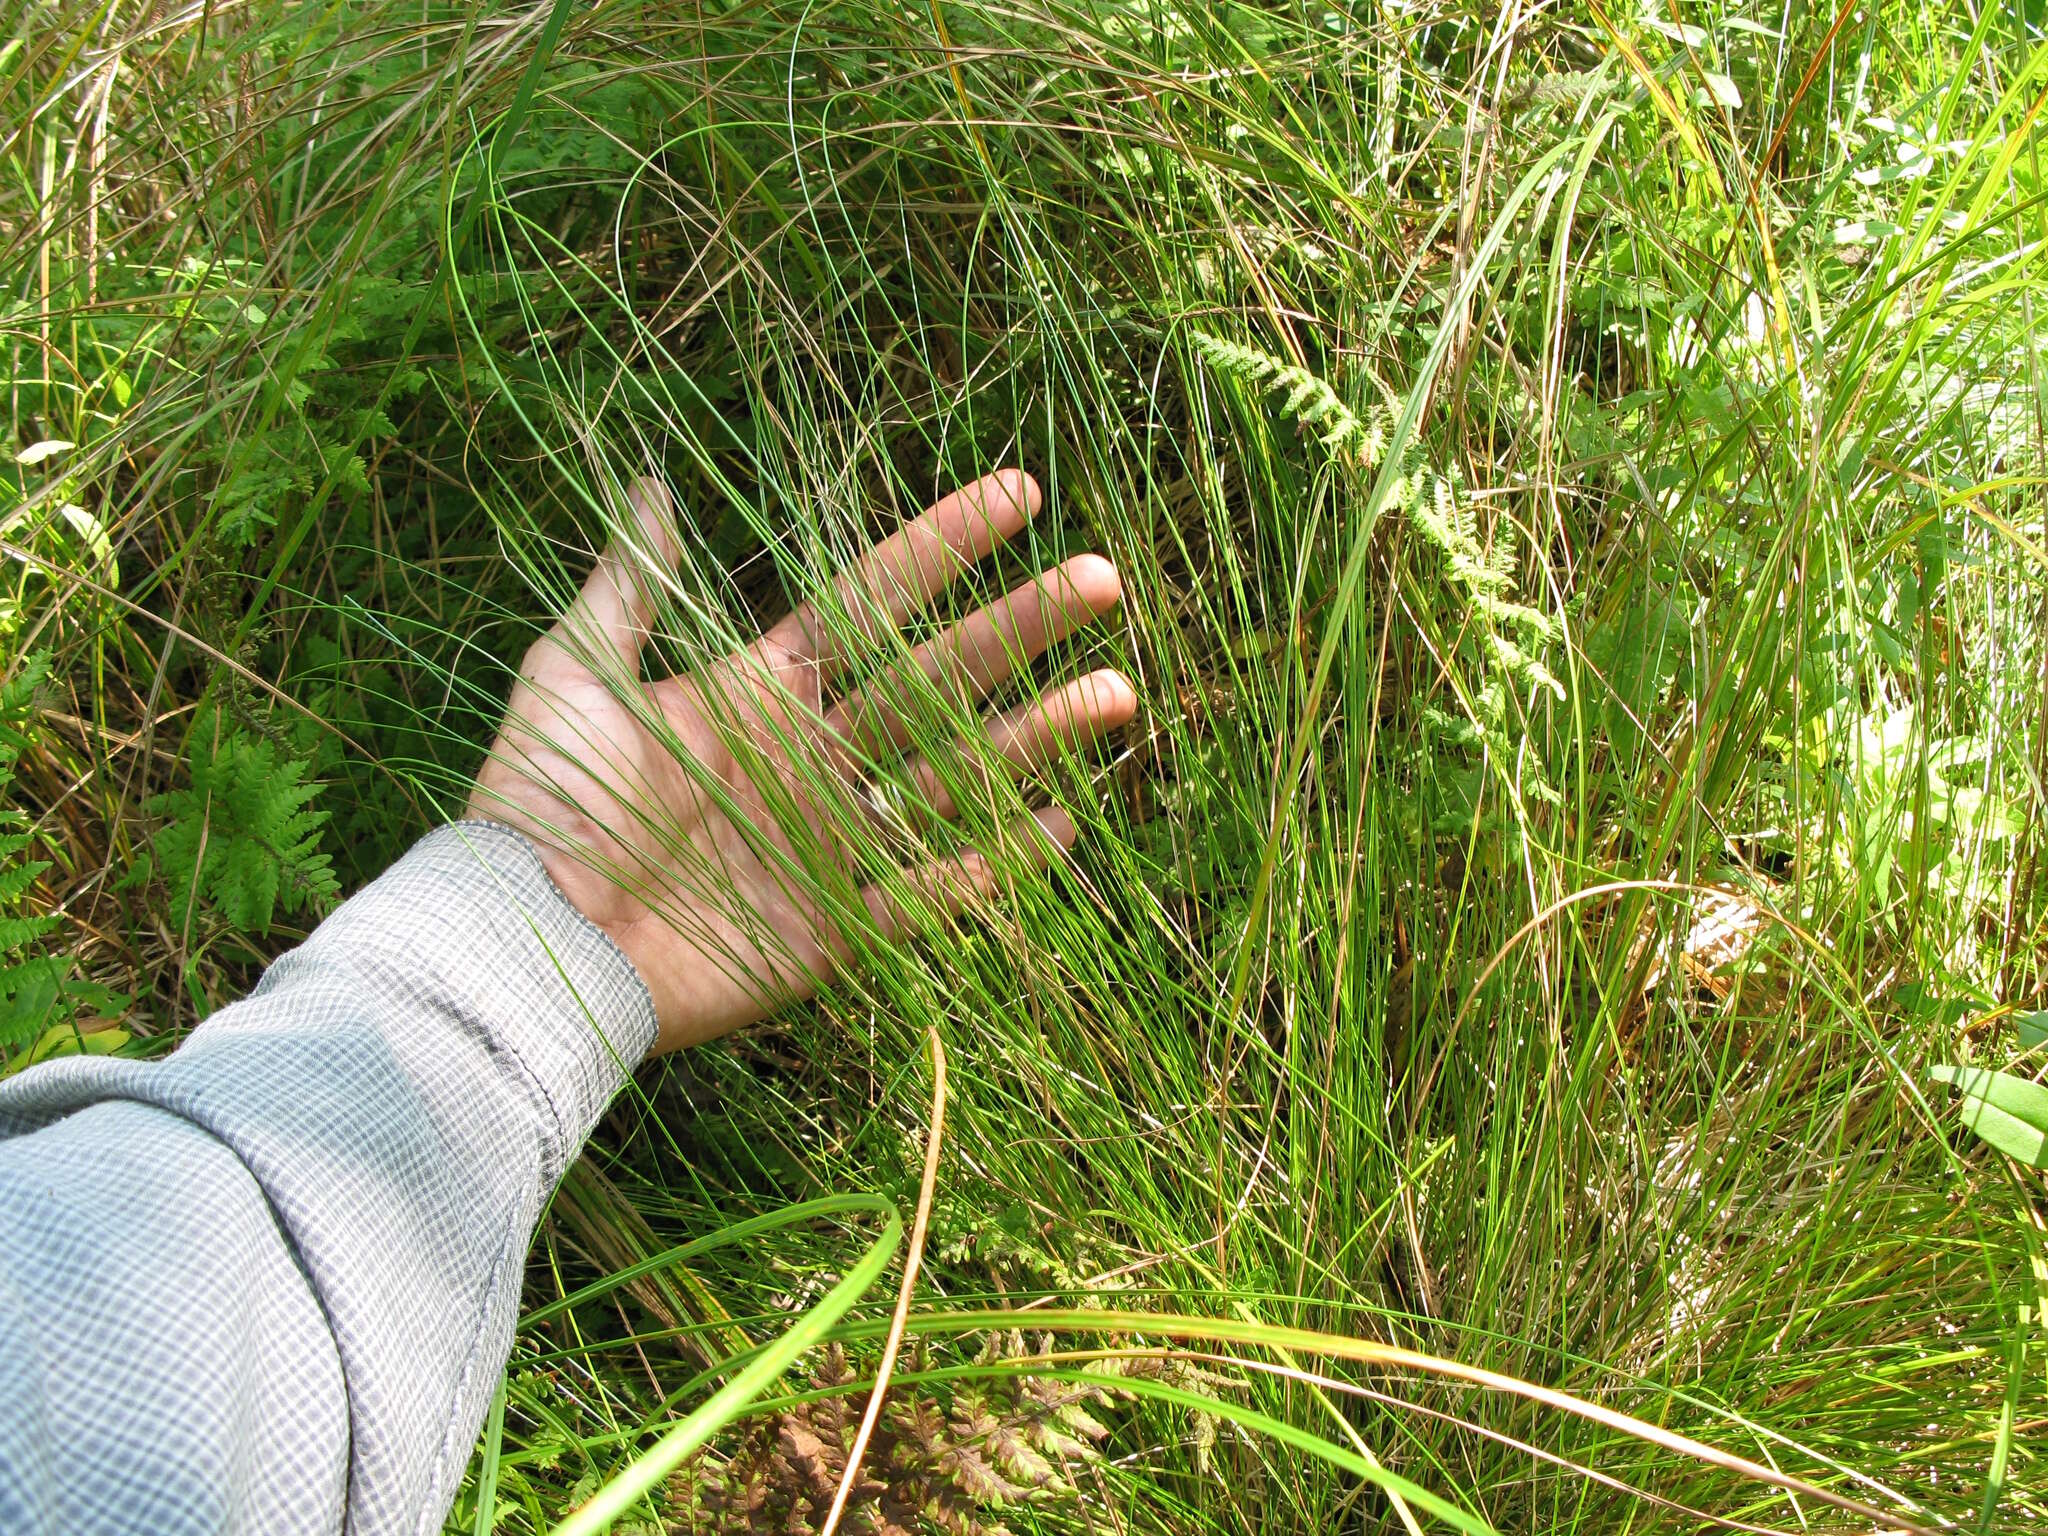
x,y
439,1494
565,1141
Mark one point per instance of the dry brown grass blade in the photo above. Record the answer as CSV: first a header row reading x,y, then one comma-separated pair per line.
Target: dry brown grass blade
x,y
904,1291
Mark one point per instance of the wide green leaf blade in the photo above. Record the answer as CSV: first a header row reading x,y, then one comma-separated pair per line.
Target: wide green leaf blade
x,y
2009,1112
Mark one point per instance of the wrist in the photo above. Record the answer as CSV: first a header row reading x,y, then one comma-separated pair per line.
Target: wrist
x,y
594,897
512,932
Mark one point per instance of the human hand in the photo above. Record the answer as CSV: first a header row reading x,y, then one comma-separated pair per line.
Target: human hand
x,y
691,818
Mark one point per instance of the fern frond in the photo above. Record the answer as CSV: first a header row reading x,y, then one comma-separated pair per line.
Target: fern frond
x,y
1442,516
1540,626
261,845
17,880
1513,633
18,931
17,703
31,984
1310,399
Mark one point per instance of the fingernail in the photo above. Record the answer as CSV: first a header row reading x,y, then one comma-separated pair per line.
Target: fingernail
x,y
1115,699
1020,487
1057,825
1095,581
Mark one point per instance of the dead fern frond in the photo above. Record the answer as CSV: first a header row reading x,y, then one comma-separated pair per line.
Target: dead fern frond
x,y
951,1461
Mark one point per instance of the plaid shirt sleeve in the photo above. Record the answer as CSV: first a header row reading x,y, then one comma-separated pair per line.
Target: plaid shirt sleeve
x,y
268,1283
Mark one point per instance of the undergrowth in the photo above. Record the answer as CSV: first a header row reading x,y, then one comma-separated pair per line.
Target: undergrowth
x,y
1577,475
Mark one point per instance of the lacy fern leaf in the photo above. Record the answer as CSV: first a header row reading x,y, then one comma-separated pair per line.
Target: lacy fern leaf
x,y
30,983
244,837
1310,398
1440,513
1514,633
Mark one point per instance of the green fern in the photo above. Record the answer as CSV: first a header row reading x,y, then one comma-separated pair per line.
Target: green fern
x,y
31,984
1513,633
244,837
1310,398
1443,516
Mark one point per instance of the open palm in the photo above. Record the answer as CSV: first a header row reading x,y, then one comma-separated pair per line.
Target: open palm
x,y
682,816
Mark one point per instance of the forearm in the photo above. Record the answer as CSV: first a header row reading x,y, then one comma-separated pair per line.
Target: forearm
x,y
401,1092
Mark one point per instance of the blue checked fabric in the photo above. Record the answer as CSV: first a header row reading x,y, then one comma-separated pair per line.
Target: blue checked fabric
x,y
268,1283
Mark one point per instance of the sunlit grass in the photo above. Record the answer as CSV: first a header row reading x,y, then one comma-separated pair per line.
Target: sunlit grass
x,y
1392,996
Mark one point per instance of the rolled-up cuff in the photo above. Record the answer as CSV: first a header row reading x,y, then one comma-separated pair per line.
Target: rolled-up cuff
x,y
472,906
405,1087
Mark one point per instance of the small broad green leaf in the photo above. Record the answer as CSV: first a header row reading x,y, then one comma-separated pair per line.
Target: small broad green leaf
x,y
48,448
34,989
1678,31
2006,1133
2033,1029
1932,1005
94,533
2009,1112
65,1040
1877,175
1723,90
1638,654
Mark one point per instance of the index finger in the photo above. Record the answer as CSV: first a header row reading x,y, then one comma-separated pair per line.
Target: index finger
x,y
909,568
614,611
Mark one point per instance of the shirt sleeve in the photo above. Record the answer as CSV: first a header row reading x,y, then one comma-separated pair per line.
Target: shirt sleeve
x,y
269,1282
